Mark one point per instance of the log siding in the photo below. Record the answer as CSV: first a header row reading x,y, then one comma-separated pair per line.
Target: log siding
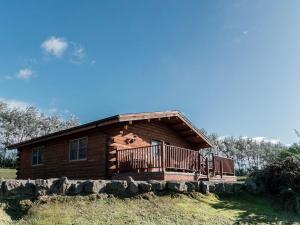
x,y
56,159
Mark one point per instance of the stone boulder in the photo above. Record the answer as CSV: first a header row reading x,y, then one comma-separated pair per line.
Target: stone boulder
x,y
205,187
157,185
144,186
29,188
219,188
191,186
133,186
93,186
118,187
64,185
42,187
197,185
13,187
177,186
60,186
76,187
212,187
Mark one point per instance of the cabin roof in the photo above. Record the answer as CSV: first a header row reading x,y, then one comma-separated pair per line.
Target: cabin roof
x,y
175,119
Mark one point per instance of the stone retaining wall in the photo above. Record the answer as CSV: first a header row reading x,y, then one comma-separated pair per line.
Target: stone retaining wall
x,y
129,187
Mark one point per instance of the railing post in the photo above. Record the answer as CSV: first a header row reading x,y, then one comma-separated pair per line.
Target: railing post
x,y
221,168
199,163
214,164
207,167
163,153
233,166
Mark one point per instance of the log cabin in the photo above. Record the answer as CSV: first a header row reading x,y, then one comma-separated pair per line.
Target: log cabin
x,y
156,145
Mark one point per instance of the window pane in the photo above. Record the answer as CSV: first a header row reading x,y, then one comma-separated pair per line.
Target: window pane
x,y
73,150
40,156
82,148
34,156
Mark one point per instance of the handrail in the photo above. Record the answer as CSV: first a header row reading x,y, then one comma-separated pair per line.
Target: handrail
x,y
181,158
171,158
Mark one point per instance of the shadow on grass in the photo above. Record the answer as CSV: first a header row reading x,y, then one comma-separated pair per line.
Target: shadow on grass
x,y
255,210
16,208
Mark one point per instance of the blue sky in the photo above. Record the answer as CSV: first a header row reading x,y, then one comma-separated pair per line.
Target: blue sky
x,y
231,66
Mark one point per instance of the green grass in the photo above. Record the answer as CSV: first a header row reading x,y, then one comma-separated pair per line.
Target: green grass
x,y
241,178
150,209
8,173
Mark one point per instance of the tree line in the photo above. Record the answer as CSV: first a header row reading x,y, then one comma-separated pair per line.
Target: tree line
x,y
17,125
250,154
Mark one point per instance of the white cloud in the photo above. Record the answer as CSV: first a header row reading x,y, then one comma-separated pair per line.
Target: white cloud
x,y
52,111
55,46
12,103
24,73
66,111
245,32
79,52
256,139
221,138
267,140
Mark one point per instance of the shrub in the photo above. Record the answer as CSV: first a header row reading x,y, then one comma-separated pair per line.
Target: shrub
x,y
281,178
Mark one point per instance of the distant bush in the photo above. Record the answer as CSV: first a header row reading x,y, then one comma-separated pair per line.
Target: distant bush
x,y
293,151
281,179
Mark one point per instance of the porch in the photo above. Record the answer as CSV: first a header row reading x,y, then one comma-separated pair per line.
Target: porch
x,y
167,162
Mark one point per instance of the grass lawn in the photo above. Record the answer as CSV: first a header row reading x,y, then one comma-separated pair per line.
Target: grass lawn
x,y
177,209
241,178
8,173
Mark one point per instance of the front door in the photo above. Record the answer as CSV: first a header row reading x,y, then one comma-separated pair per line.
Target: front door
x,y
155,147
155,142
155,152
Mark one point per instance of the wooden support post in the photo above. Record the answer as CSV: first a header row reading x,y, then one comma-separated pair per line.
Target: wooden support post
x,y
117,161
163,158
207,168
214,165
221,168
199,163
233,167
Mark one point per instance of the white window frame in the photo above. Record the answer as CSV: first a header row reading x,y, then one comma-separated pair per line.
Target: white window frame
x,y
40,148
70,145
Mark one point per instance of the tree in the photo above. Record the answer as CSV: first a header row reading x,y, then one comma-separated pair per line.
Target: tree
x,y
17,125
247,153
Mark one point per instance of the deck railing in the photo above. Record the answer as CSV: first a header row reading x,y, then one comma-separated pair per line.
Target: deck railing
x,y
177,158
171,158
139,158
223,166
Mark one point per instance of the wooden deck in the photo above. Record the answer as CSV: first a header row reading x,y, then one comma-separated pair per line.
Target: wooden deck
x,y
172,162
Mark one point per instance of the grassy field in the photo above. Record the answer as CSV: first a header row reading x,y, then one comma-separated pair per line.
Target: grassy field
x,y
176,209
8,173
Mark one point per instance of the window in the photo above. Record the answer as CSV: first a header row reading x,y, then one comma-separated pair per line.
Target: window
x,y
78,149
37,156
